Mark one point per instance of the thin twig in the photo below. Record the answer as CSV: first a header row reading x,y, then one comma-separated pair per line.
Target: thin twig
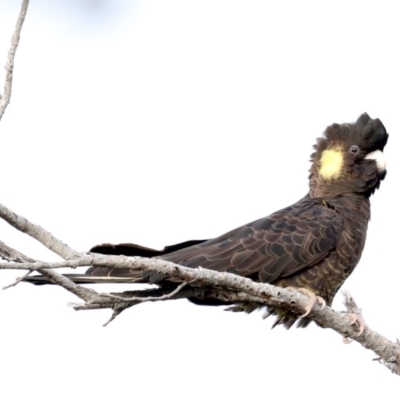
x,y
61,280
18,280
10,254
113,316
5,98
200,293
142,299
118,310
350,304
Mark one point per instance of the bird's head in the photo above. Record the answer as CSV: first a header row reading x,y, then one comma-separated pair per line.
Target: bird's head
x,y
349,158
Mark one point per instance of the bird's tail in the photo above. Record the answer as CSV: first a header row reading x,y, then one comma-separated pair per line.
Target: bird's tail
x,y
117,275
87,279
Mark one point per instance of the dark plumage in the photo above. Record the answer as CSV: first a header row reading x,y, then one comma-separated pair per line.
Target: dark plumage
x,y
314,244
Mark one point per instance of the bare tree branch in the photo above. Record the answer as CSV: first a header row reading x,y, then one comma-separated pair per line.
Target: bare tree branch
x,y
210,284
189,283
84,261
155,293
38,233
18,280
5,98
10,254
139,299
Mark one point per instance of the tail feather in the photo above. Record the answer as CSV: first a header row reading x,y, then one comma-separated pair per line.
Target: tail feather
x,y
86,279
117,275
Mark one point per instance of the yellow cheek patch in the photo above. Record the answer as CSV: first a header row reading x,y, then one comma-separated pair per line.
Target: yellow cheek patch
x,y
331,163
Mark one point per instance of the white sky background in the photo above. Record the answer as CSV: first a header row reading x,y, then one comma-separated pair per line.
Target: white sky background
x,y
155,122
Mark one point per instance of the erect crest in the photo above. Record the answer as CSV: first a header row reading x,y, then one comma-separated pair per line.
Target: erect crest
x,y
349,157
367,133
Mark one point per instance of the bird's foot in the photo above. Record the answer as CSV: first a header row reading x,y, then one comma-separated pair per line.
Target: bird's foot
x,y
313,300
355,319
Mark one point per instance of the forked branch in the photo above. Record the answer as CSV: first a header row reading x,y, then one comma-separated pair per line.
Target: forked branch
x,y
192,283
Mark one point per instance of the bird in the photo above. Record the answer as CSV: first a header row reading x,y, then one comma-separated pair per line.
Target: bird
x,y
312,245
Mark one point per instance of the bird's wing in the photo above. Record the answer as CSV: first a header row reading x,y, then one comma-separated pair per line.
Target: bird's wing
x,y
270,248
283,244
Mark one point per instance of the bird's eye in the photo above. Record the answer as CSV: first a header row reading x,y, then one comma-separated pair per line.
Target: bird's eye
x,y
354,149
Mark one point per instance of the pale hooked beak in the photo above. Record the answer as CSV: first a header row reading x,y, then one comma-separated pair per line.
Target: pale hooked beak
x,y
379,158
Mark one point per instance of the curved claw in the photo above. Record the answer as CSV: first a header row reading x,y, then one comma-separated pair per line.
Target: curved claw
x,y
357,319
313,300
